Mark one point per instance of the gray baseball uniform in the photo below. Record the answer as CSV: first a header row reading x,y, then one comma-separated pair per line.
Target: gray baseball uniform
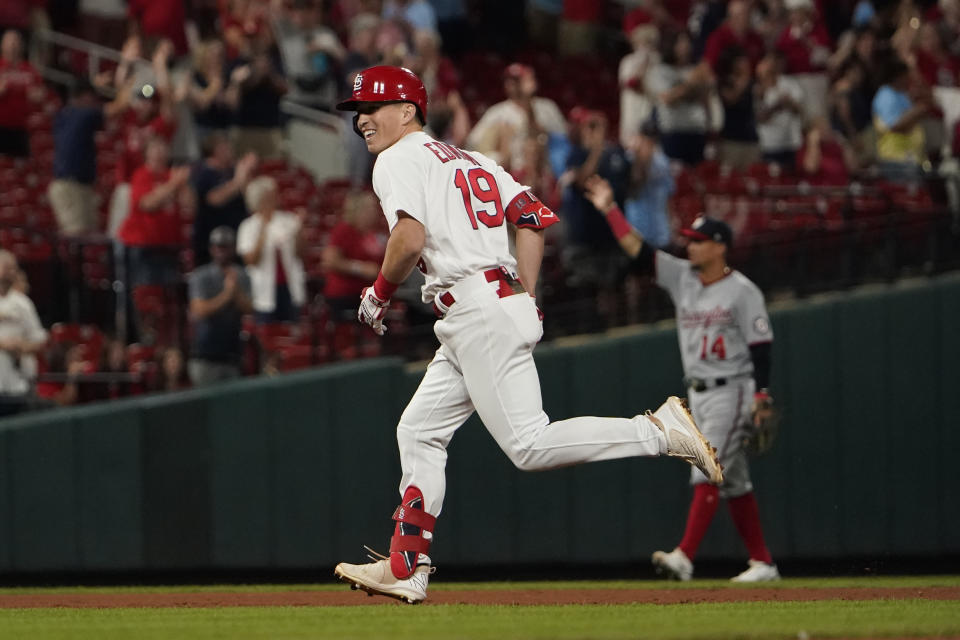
x,y
716,325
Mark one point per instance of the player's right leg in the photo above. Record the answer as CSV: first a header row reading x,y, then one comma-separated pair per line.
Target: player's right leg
x,y
439,406
495,354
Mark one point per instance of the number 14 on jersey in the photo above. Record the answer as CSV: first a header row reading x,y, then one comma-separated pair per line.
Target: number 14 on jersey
x,y
718,348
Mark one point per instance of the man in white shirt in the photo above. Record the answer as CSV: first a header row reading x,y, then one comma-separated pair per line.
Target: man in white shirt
x,y
635,103
523,115
20,335
271,245
779,113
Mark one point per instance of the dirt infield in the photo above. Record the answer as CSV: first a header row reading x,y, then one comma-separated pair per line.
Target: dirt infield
x,y
512,596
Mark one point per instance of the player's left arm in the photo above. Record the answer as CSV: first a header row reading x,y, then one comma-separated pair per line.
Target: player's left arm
x,y
758,334
761,354
529,244
531,217
754,324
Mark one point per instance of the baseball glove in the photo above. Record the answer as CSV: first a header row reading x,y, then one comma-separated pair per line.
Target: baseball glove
x,y
763,427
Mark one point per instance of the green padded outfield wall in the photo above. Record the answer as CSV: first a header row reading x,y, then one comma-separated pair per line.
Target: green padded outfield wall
x,y
299,471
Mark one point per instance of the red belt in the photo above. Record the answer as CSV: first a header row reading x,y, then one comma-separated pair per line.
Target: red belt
x,y
508,286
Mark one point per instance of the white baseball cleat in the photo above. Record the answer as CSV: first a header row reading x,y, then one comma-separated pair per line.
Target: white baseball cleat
x,y
684,439
758,571
675,564
376,578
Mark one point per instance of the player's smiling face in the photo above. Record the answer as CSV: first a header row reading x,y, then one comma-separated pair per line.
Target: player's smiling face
x,y
382,124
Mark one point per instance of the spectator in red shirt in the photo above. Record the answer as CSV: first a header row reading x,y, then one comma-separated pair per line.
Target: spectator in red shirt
x,y
822,160
145,120
159,19
152,231
21,91
352,259
735,32
804,42
936,65
150,115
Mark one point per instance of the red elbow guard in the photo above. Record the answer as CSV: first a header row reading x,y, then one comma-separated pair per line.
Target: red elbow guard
x,y
526,211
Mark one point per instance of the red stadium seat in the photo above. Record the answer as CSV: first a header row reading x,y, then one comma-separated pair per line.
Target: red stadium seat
x,y
276,334
13,216
272,166
293,357
84,334
138,354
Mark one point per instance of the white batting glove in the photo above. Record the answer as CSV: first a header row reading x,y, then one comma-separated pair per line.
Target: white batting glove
x,y
372,310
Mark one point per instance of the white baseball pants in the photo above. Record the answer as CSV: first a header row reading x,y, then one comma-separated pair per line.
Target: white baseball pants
x,y
485,363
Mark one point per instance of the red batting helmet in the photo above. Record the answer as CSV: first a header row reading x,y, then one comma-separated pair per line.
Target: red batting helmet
x,y
387,84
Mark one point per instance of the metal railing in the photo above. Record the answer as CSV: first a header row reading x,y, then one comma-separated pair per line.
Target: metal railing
x,y
95,53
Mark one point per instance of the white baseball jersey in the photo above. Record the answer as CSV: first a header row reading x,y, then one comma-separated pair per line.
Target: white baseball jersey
x,y
716,323
463,206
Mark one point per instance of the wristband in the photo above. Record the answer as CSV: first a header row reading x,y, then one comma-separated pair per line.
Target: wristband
x,y
618,224
383,288
762,394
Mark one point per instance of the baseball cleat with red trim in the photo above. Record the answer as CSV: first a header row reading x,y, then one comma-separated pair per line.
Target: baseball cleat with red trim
x,y
684,439
376,578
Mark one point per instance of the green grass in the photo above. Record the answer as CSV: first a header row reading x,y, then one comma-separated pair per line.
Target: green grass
x,y
753,620
439,585
747,620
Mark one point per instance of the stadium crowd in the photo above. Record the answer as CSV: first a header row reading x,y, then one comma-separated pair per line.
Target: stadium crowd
x,y
169,239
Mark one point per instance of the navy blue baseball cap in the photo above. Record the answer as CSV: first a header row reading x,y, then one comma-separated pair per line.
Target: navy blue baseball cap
x,y
704,228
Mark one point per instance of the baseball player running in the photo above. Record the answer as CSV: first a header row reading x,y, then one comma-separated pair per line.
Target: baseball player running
x,y
447,210
725,344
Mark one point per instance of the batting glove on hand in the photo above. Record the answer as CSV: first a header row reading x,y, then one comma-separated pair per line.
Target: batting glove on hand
x,y
372,309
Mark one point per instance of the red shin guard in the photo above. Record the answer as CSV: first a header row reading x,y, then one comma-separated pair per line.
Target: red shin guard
x,y
706,498
746,517
408,540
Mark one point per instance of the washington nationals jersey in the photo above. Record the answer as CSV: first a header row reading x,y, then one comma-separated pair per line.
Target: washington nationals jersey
x,y
462,206
716,323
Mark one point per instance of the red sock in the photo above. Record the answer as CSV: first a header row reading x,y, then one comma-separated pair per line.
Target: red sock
x,y
702,508
746,516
